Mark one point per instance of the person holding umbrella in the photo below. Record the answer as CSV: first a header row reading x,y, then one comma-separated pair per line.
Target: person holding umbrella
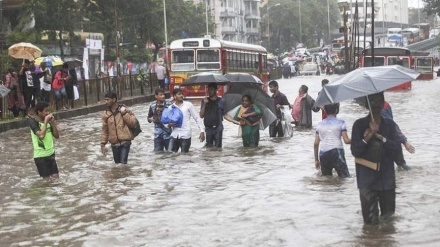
x,y
212,109
374,140
248,116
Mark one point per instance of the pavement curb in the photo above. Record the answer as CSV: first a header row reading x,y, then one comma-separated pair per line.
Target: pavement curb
x,y
22,123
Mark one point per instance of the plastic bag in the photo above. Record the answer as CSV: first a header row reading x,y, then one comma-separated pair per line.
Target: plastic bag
x,y
75,93
172,114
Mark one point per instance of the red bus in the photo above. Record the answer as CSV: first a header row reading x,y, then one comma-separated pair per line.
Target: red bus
x,y
194,55
419,61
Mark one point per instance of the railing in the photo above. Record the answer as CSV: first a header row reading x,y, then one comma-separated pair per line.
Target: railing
x,y
91,92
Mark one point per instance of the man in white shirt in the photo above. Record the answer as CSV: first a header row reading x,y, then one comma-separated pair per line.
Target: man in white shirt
x,y
161,73
181,136
45,83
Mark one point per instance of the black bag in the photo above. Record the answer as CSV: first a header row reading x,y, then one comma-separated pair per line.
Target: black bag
x,y
136,129
212,117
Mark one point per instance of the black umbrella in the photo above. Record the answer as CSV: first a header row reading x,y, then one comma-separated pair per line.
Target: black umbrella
x,y
73,62
235,93
205,79
243,77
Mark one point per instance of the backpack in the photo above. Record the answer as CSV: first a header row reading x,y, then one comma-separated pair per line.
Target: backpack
x,y
136,129
212,118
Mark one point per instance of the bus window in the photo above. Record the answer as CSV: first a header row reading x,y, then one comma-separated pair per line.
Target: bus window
x,y
378,61
424,65
183,60
208,59
404,61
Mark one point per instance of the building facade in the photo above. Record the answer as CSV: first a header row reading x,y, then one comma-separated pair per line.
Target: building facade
x,y
387,13
234,20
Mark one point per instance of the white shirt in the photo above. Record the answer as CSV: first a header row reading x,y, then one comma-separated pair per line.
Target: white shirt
x,y
160,72
46,86
188,111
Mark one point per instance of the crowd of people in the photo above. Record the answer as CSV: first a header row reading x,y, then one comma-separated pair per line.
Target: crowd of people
x,y
375,141
33,83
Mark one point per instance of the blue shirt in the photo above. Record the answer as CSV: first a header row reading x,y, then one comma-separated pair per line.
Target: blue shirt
x,y
159,128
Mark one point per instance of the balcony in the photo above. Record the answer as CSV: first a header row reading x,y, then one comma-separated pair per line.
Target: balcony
x,y
229,30
227,14
252,31
251,16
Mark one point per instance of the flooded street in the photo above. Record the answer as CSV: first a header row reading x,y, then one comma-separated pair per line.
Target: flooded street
x,y
269,196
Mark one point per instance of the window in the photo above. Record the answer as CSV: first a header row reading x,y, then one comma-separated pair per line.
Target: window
x,y
208,59
378,61
182,60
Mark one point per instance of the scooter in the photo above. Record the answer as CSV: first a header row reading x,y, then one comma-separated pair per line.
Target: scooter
x,y
329,69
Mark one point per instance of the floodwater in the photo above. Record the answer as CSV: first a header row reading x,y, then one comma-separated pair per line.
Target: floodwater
x,y
268,196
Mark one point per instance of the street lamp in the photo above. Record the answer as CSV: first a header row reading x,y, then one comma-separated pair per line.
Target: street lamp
x,y
268,21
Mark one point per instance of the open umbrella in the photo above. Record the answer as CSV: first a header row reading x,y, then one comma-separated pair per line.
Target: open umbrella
x,y
235,93
51,61
24,50
243,77
4,91
73,62
205,78
364,81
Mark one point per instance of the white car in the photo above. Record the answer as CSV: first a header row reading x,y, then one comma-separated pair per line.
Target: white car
x,y
310,69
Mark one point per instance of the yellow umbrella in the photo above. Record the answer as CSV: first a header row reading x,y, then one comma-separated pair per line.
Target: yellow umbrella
x,y
51,61
24,50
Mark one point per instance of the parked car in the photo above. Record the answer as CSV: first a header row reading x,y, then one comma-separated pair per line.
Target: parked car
x,y
310,69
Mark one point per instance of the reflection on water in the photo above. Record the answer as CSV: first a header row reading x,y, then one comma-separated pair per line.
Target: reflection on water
x,y
267,196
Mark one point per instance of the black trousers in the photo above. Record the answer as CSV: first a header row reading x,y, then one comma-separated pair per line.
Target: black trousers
x,y
371,200
275,128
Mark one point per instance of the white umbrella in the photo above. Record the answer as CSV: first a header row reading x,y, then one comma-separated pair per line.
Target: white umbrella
x,y
364,81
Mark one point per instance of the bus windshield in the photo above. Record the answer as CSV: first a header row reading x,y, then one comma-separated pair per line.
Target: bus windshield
x,y
208,59
183,60
404,61
378,61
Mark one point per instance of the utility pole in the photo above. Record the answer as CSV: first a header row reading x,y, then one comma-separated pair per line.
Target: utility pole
x,y
118,69
373,38
346,58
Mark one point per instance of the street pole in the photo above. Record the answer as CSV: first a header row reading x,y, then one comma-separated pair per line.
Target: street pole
x,y
328,21
268,23
418,11
372,33
165,31
118,69
300,26
346,58
206,16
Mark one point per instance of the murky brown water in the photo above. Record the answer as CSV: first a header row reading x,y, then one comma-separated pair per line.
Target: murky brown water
x,y
268,196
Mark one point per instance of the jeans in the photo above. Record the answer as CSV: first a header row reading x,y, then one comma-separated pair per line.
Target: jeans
x,y
60,93
176,143
214,137
161,143
120,153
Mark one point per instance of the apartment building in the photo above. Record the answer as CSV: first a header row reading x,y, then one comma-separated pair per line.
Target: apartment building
x,y
234,20
387,13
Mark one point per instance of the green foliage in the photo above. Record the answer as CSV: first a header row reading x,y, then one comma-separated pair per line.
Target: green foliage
x,y
139,22
285,27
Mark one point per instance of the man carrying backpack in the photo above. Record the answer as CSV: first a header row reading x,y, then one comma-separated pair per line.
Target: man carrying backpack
x,y
212,110
116,123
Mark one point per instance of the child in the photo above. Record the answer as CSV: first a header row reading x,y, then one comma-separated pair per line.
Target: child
x,y
328,147
43,130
